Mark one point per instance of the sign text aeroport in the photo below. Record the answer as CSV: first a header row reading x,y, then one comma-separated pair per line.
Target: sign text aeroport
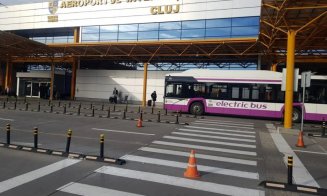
x,y
154,10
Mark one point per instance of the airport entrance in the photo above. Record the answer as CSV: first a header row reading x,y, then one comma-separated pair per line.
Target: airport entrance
x,y
36,89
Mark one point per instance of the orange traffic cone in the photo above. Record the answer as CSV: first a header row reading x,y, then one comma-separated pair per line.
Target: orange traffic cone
x,y
139,123
191,170
300,142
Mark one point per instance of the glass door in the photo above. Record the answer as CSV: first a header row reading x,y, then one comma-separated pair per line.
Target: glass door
x,y
36,89
28,89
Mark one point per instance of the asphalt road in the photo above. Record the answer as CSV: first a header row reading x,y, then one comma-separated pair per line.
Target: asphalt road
x,y
233,155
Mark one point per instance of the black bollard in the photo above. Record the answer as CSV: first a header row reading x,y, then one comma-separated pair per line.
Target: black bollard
x,y
180,113
69,104
124,114
101,145
92,111
26,106
69,137
139,110
102,107
290,170
4,105
65,109
8,133
177,121
166,112
39,107
15,105
36,132
152,110
59,104
51,108
79,110
158,120
91,106
141,116
108,115
323,128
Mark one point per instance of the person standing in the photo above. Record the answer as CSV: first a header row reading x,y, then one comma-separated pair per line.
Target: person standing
x,y
154,98
115,94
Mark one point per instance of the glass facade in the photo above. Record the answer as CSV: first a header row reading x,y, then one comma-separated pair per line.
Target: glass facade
x,y
177,30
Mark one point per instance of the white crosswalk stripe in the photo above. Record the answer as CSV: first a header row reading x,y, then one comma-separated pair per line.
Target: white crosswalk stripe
x,y
210,142
181,182
223,125
214,137
190,146
201,156
225,121
215,170
89,190
217,133
218,129
33,175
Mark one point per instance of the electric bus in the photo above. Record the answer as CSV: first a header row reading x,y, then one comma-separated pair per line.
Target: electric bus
x,y
244,93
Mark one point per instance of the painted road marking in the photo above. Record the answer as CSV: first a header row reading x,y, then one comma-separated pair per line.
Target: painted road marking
x,y
88,190
181,182
206,148
33,175
200,156
217,129
7,119
210,142
127,132
300,174
208,169
225,121
223,125
214,137
217,133
311,152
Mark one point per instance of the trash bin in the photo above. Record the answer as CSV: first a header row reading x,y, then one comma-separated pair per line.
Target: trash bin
x,y
149,102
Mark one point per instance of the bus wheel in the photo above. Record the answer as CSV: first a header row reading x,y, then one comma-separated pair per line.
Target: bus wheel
x,y
296,116
196,108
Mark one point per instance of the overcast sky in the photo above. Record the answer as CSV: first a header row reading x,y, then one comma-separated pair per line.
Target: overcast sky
x,y
16,2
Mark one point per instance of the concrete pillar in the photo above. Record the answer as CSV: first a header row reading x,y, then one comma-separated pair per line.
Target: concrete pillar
x,y
289,79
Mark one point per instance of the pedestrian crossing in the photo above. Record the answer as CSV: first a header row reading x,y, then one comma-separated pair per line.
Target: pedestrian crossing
x,y
227,160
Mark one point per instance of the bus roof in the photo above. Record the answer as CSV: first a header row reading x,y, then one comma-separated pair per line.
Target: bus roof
x,y
242,75
249,76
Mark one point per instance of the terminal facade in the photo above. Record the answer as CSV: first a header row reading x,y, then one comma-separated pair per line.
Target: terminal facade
x,y
90,22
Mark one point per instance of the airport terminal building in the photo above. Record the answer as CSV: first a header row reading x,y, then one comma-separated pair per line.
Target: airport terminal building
x,y
102,44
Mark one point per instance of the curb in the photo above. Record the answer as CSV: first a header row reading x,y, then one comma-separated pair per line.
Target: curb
x,y
64,154
294,187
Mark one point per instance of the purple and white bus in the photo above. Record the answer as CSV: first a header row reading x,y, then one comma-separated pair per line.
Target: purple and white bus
x,y
246,93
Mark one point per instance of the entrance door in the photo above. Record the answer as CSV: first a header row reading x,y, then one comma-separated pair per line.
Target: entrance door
x,y
32,89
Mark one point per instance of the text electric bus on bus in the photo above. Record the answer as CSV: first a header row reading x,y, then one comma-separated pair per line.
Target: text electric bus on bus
x,y
246,93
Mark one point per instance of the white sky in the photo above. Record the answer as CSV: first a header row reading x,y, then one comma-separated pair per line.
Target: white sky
x,y
16,2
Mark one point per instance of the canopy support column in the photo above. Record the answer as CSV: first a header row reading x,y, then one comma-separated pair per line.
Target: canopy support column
x,y
52,80
73,80
8,77
145,79
289,79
